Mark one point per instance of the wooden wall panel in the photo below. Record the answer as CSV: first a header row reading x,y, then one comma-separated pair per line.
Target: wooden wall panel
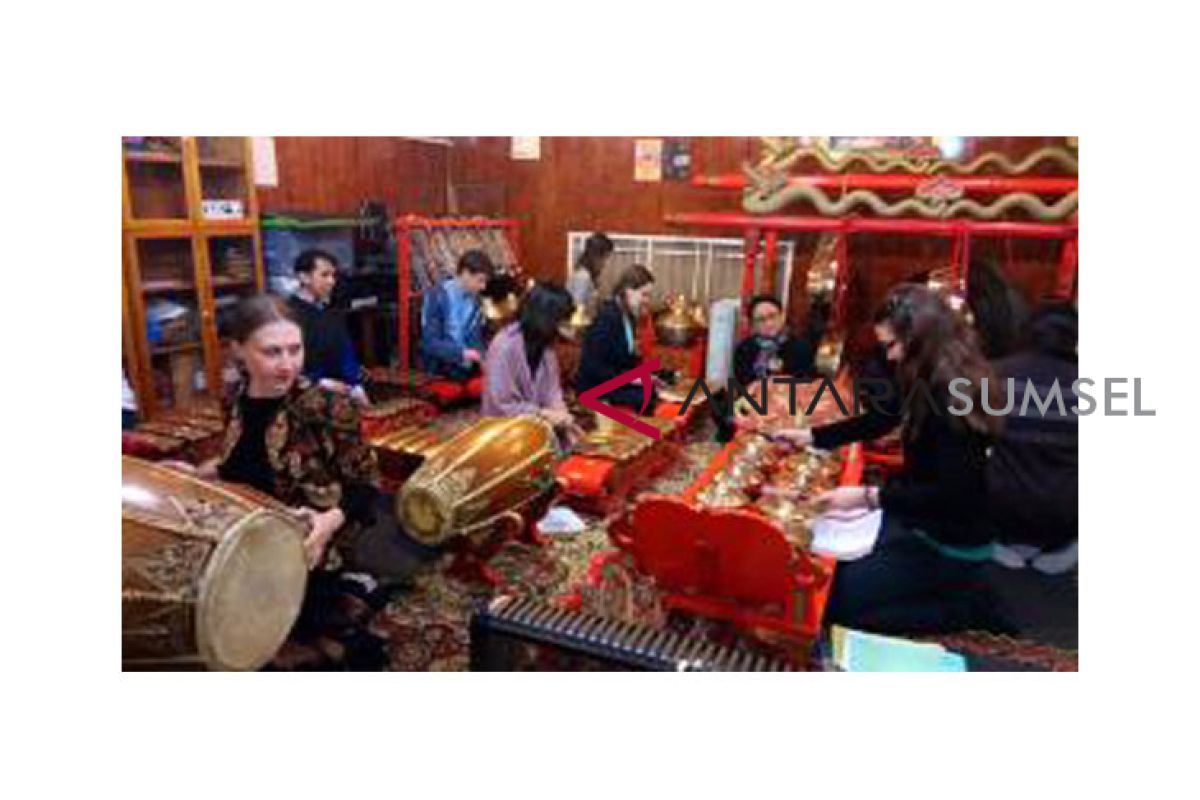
x,y
586,183
583,183
333,175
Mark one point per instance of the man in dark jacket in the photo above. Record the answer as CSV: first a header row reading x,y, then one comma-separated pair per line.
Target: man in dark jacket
x,y
1033,472
328,352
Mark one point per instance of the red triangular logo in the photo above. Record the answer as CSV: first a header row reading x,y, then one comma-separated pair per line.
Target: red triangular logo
x,y
591,398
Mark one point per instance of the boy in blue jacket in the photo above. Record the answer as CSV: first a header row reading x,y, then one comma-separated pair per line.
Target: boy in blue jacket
x,y
452,320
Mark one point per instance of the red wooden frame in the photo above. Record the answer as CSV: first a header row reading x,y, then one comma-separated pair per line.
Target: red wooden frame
x,y
960,230
404,225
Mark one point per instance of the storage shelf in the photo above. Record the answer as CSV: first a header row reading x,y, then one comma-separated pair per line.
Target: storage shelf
x,y
166,188
244,226
153,158
157,287
172,349
179,227
232,283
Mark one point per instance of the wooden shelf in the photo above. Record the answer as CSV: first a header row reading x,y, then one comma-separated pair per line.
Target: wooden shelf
x,y
167,189
157,287
160,228
245,226
219,282
153,158
172,349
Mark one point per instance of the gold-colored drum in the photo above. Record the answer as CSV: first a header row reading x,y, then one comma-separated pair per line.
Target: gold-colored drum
x,y
212,575
493,469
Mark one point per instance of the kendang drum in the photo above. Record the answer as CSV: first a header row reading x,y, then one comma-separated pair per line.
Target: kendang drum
x,y
495,471
212,575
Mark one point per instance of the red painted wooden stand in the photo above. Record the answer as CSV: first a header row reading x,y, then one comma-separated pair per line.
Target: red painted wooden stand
x,y
735,565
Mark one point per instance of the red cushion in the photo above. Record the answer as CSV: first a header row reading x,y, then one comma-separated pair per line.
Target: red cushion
x,y
445,391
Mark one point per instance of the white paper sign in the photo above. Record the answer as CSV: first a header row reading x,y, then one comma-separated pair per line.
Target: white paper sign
x,y
526,148
266,172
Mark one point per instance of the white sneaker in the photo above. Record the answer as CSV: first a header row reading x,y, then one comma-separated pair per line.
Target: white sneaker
x,y
1059,561
1007,556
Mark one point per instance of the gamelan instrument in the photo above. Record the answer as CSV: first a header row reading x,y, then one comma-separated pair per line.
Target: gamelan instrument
x,y
612,462
390,415
510,634
496,471
212,574
402,451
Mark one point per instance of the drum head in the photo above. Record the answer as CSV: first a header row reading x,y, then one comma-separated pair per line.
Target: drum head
x,y
251,592
423,515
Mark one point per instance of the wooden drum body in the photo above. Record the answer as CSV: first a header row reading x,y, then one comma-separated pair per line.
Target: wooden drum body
x,y
212,575
496,469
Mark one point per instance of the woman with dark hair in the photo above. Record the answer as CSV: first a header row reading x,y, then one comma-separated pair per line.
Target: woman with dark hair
x,y
610,345
298,443
770,349
521,369
999,310
922,575
597,251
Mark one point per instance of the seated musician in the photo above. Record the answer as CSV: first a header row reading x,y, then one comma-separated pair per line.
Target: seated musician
x,y
1033,473
924,575
770,349
329,356
597,252
521,372
610,345
296,442
452,320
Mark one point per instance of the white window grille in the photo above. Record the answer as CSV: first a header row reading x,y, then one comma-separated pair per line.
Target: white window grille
x,y
701,269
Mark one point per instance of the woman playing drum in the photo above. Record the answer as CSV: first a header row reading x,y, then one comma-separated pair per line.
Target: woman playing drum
x,y
295,441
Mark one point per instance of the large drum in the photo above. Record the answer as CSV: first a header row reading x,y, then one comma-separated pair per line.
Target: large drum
x,y
495,469
212,575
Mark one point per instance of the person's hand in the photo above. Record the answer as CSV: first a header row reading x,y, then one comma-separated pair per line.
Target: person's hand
x,y
844,500
573,434
323,525
471,356
747,422
208,469
179,466
801,437
558,417
334,386
359,396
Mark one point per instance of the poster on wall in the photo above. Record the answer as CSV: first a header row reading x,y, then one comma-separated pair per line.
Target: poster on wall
x,y
677,159
647,160
266,171
526,148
